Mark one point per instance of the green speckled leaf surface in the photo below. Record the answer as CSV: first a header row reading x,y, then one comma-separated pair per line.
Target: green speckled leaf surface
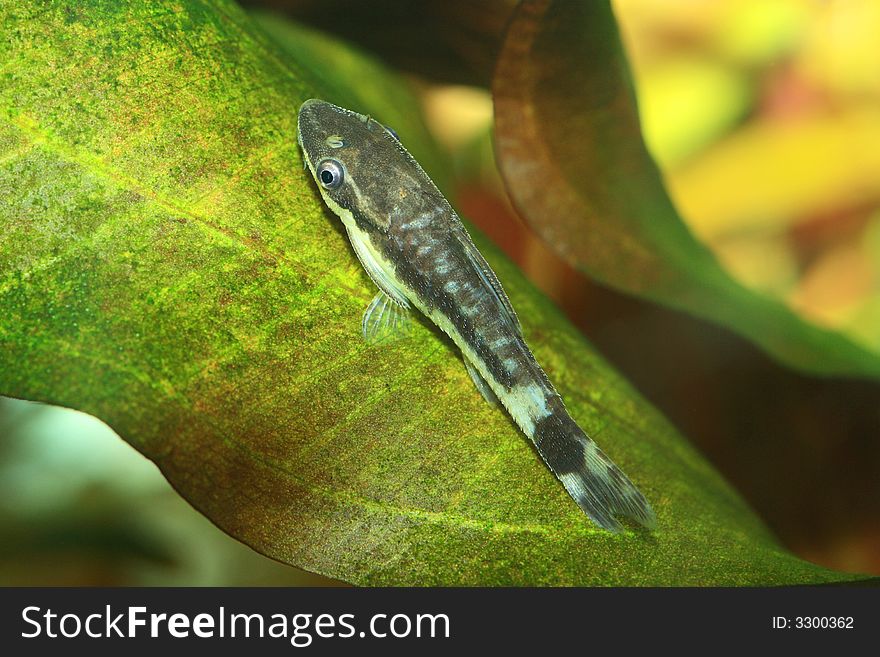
x,y
167,266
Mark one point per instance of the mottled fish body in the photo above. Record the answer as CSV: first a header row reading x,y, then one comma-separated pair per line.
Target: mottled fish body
x,y
416,250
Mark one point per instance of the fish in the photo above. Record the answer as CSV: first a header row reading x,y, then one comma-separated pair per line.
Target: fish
x,y
416,250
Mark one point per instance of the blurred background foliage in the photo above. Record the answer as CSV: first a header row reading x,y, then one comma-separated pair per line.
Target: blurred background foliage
x,y
765,120
764,117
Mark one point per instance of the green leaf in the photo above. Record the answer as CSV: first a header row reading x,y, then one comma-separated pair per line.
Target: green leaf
x,y
572,156
168,267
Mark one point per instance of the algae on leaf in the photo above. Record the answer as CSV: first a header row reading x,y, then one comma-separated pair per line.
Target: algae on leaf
x,y
571,154
167,266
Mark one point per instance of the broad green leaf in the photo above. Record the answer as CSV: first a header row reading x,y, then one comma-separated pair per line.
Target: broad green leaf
x,y
572,156
168,267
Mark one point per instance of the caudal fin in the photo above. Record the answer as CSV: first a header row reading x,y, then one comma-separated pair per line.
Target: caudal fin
x,y
597,485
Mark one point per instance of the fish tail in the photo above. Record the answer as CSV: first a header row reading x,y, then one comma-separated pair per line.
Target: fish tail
x,y
599,487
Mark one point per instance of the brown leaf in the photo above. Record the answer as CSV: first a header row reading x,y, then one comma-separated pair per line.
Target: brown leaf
x,y
572,156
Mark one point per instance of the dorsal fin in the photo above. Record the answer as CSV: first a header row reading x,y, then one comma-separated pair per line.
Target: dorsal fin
x,y
487,275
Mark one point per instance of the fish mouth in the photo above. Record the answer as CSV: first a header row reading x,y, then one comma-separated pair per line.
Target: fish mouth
x,y
308,111
304,115
310,102
302,149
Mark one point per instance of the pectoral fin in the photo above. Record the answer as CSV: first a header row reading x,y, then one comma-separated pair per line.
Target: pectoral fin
x,y
384,318
481,384
374,264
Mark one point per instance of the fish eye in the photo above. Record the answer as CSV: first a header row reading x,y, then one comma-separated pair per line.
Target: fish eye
x,y
330,174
